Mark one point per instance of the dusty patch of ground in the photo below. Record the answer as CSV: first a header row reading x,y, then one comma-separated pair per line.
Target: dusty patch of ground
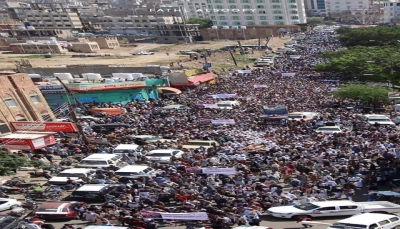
x,y
123,57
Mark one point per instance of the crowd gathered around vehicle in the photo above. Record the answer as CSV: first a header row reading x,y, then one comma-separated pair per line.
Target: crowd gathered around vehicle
x,y
279,139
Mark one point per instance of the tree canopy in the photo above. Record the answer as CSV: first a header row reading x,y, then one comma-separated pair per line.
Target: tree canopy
x,y
203,22
364,93
10,162
364,63
370,36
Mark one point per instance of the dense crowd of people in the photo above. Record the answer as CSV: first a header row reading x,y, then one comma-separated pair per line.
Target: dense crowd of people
x,y
276,164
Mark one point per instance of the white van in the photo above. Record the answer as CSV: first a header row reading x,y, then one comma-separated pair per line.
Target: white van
x,y
75,175
163,156
194,144
128,149
136,171
368,221
100,160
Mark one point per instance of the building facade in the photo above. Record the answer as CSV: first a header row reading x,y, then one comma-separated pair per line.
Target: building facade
x,y
173,34
106,42
37,47
336,6
391,12
315,8
85,47
21,100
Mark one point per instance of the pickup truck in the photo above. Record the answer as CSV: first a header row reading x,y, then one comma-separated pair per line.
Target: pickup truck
x,y
332,209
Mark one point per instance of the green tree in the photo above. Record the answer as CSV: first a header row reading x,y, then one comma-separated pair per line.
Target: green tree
x,y
370,36
202,22
364,63
10,162
364,93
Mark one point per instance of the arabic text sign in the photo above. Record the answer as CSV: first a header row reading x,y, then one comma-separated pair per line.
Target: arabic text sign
x,y
226,171
223,121
185,216
45,126
107,86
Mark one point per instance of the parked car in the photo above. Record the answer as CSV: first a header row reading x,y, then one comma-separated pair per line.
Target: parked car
x,y
333,209
10,222
163,155
380,119
58,210
7,204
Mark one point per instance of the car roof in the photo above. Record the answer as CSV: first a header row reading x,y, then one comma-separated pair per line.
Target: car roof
x,y
7,199
92,187
100,156
54,204
77,170
367,218
329,127
163,150
133,168
334,203
126,146
144,136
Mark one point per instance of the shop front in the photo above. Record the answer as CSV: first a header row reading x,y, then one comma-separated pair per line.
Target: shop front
x,y
27,141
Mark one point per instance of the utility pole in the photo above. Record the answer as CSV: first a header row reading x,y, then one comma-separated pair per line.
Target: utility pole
x,y
233,58
241,48
259,43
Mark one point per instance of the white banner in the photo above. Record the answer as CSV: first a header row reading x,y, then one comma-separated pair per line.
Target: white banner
x,y
226,171
223,96
210,105
288,74
223,121
185,216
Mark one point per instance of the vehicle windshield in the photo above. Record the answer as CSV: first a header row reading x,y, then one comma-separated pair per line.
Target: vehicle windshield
x,y
306,207
347,226
295,116
70,175
378,120
159,154
51,210
89,162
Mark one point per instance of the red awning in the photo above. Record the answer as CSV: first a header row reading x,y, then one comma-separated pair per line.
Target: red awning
x,y
201,78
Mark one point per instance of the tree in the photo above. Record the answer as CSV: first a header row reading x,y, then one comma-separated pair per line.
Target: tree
x,y
10,162
370,36
364,63
364,93
202,22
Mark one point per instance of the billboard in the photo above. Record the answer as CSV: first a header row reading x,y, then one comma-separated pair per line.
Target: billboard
x,y
45,126
27,143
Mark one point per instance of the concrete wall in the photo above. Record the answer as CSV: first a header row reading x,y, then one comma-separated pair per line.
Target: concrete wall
x,y
104,70
106,42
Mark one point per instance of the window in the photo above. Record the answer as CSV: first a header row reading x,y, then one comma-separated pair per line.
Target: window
x,y
235,18
384,222
231,1
278,18
246,7
262,12
293,6
292,1
223,23
276,7
294,17
373,226
275,1
293,11
260,1
279,23
213,18
35,98
264,23
47,118
222,18
236,23
218,1
245,1
277,12
263,18
219,7
10,103
394,219
327,209
232,7
249,17
348,207
260,7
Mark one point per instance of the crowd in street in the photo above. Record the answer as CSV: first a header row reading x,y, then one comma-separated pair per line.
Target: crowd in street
x,y
276,165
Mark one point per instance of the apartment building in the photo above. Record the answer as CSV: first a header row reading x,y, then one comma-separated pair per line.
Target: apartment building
x,y
133,25
21,100
84,47
335,6
195,9
37,47
391,12
256,12
177,33
315,8
46,16
106,42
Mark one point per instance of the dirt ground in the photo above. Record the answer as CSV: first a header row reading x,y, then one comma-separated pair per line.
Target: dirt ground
x,y
122,56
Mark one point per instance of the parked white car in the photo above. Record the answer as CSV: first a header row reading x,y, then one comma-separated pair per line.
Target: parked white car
x,y
7,204
163,156
380,119
302,115
333,209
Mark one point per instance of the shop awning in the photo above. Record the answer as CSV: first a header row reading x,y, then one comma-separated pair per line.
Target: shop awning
x,y
27,141
169,90
196,80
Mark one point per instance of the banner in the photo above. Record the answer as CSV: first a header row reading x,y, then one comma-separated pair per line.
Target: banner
x,y
288,74
193,170
51,89
223,96
275,110
260,86
150,214
295,56
106,86
45,126
223,121
226,171
243,71
185,216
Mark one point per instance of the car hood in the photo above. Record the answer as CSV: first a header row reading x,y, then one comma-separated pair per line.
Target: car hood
x,y
285,210
194,147
383,123
62,179
155,158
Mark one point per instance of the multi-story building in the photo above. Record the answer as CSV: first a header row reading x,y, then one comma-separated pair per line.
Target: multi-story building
x,y
176,33
355,11
37,47
337,6
391,12
21,100
315,8
46,16
256,12
195,9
